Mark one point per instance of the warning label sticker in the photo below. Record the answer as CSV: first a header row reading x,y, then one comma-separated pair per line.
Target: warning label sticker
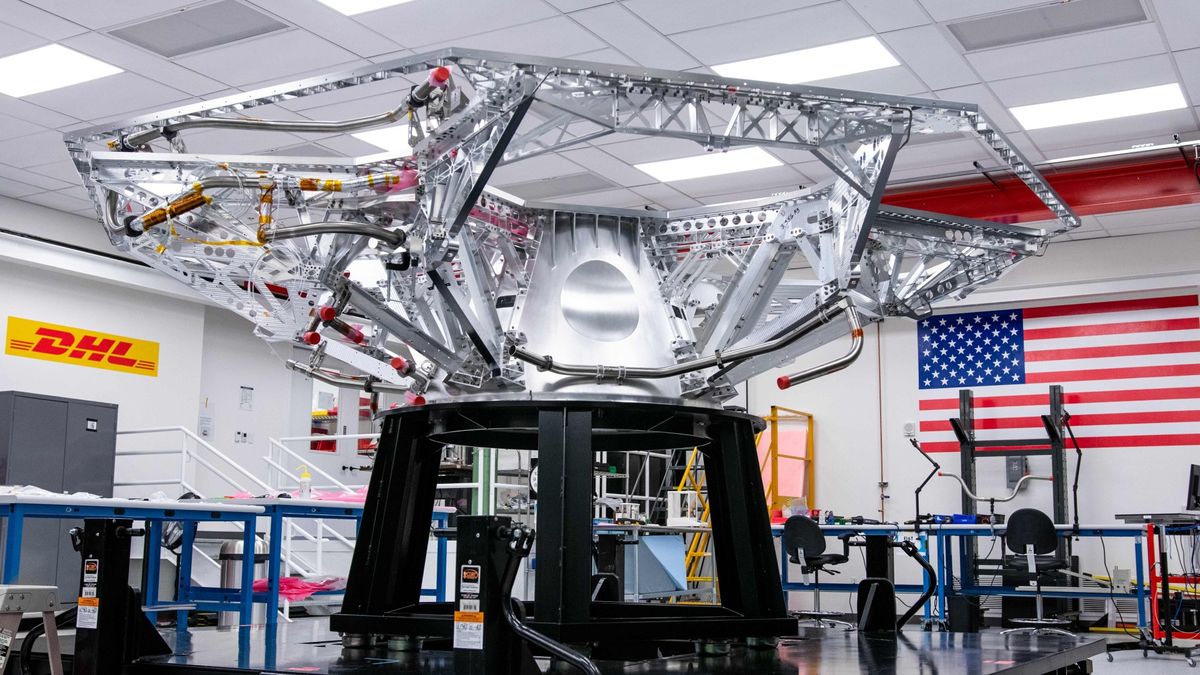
x,y
468,581
468,630
91,571
87,614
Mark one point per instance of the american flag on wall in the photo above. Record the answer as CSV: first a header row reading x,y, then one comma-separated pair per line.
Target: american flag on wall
x,y
1130,371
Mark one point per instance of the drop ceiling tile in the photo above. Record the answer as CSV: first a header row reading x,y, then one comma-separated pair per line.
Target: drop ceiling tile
x,y
34,149
11,127
960,151
1087,81
237,142
548,37
130,58
785,32
1189,66
981,96
608,55
1072,51
665,196
39,22
431,23
122,94
616,199
947,10
652,148
633,36
1126,222
886,15
349,146
749,184
534,168
1179,19
63,200
1125,132
16,189
14,40
62,170
1026,146
104,14
672,17
275,57
364,96
331,25
931,55
576,5
895,80
599,161
40,181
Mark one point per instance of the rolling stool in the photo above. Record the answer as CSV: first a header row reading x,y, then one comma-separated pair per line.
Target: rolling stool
x,y
1030,534
804,543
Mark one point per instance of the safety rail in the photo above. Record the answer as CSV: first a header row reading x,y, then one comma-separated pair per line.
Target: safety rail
x,y
187,453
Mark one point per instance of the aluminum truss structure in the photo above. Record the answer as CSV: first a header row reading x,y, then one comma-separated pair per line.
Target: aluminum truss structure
x,y
411,274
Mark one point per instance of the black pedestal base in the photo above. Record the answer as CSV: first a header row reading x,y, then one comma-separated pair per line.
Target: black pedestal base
x,y
383,589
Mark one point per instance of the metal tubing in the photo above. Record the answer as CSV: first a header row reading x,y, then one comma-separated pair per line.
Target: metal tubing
x,y
339,381
394,238
1016,488
856,346
141,138
816,318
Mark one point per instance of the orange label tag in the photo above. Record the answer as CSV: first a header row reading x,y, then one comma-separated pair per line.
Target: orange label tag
x,y
80,346
468,617
89,602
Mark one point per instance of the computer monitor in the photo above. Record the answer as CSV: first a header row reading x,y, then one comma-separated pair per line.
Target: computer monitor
x,y
1193,499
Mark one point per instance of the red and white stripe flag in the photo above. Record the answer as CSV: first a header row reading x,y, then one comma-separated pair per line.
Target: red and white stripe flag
x,y
1130,372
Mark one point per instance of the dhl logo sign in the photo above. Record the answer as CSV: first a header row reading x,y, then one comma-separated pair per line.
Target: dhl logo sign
x,y
79,346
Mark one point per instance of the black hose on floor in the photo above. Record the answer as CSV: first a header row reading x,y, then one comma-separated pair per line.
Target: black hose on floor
x,y
36,632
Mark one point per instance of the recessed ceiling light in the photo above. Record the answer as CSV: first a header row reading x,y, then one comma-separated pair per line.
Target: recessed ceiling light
x,y
711,164
1101,107
817,63
392,139
47,68
352,7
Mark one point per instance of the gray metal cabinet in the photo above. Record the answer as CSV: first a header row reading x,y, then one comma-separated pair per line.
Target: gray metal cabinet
x,y
61,445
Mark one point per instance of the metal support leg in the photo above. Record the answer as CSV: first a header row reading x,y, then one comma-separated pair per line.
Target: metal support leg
x,y
741,527
563,588
273,570
12,546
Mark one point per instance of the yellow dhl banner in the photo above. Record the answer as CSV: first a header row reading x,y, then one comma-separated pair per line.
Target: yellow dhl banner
x,y
80,346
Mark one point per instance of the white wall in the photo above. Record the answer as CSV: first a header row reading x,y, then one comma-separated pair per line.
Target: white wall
x,y
879,392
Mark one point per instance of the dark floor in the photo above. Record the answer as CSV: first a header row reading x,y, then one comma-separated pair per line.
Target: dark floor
x,y
307,646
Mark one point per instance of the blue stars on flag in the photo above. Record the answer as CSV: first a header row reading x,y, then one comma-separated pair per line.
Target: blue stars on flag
x,y
971,349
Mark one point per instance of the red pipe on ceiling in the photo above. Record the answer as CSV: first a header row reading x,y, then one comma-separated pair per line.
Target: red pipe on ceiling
x,y
1107,186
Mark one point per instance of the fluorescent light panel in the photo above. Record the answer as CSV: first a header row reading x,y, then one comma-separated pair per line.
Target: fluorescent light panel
x,y
817,63
47,68
352,7
392,139
1102,107
710,164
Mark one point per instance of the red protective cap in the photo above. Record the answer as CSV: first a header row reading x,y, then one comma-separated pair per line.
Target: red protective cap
x,y
312,337
327,313
784,381
356,336
439,75
414,399
400,363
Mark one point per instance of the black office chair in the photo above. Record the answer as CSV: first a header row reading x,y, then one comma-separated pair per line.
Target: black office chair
x,y
1030,535
804,543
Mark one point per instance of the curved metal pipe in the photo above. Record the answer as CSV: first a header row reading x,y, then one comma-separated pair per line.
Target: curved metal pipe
x,y
818,317
856,347
343,381
1009,498
141,138
395,238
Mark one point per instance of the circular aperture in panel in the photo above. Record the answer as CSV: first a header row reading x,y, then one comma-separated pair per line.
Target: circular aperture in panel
x,y
599,302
